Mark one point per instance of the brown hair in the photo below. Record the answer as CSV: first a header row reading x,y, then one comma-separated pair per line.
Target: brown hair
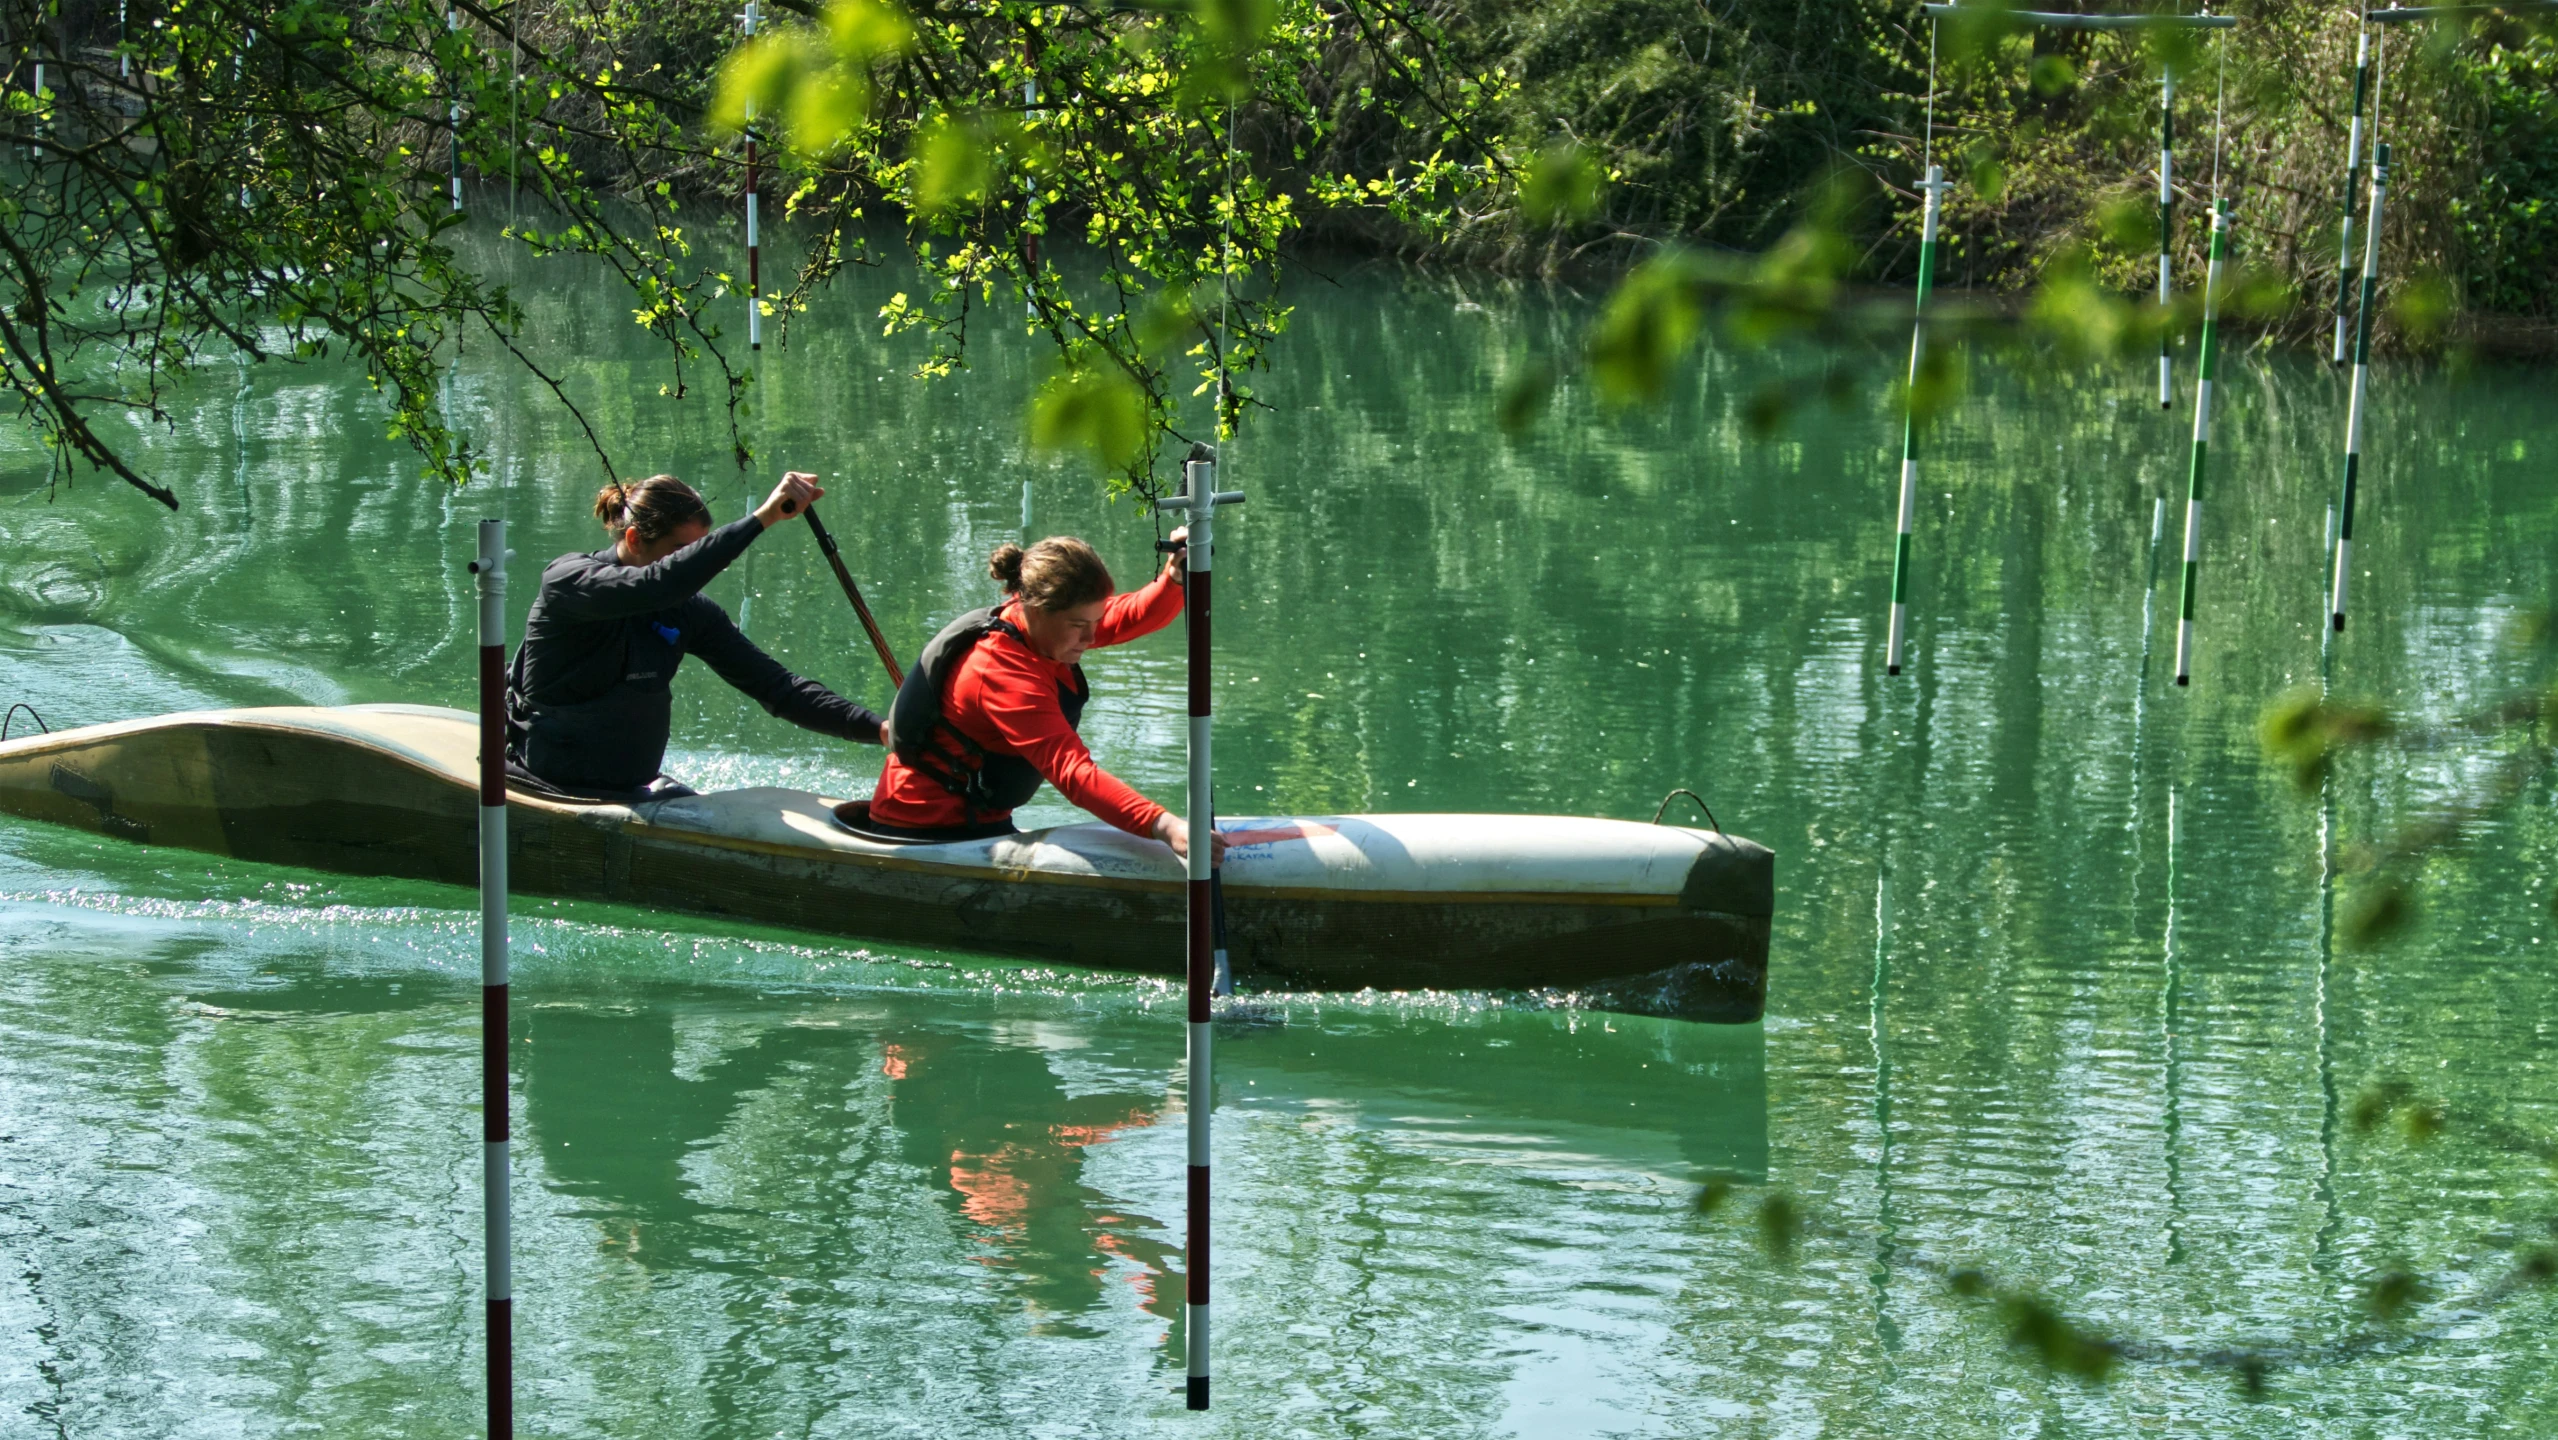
x,y
653,508
1059,573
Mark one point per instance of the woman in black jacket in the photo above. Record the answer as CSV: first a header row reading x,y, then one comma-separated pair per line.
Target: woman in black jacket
x,y
588,704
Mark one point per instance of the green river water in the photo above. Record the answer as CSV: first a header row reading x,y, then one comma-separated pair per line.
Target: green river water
x,y
2055,989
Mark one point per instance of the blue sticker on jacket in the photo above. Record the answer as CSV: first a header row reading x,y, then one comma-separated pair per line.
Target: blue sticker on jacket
x,y
666,632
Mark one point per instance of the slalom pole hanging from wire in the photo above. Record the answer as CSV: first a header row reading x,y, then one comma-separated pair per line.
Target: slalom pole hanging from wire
x,y
2207,370
2166,221
2361,384
754,240
1224,984
1933,188
1029,239
2353,165
453,112
514,111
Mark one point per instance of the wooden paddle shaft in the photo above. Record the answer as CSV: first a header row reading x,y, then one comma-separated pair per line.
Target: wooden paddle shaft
x,y
853,592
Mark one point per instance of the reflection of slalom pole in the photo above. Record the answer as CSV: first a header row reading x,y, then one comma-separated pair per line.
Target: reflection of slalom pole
x,y
2174,1123
1225,971
2166,222
2333,1223
2362,376
496,1201
2149,616
2353,164
1935,185
2202,438
1886,1247
1200,497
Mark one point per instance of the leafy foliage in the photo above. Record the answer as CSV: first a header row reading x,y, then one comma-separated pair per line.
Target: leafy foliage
x,y
277,183
1165,145
2307,734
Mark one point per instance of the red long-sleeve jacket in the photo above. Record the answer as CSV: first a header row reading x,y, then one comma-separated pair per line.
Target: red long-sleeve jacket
x,y
1004,697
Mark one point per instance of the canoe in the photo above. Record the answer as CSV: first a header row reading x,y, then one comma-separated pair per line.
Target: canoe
x,y
1656,919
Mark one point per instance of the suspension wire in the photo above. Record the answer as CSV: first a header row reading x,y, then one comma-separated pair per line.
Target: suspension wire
x,y
2220,103
1226,287
2379,79
514,105
1927,147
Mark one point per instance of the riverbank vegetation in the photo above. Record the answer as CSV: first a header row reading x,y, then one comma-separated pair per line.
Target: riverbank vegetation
x,y
282,181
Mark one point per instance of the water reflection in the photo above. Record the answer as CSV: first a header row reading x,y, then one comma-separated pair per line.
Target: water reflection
x,y
989,1120
2001,1031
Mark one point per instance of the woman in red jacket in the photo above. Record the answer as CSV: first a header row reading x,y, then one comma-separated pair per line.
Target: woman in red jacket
x,y
991,708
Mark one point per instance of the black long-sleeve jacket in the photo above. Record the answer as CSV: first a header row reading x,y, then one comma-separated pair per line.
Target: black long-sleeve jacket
x,y
588,699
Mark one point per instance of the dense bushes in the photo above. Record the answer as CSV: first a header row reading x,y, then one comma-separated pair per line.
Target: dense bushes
x,y
1720,119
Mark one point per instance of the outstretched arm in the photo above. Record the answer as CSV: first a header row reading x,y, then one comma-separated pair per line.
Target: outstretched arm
x,y
576,588
1141,612
1022,705
803,702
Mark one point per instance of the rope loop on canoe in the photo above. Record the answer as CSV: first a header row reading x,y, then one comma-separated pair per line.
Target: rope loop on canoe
x,y
1700,804
11,714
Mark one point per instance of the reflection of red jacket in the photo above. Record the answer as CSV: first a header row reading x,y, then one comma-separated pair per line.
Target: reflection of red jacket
x,y
1004,697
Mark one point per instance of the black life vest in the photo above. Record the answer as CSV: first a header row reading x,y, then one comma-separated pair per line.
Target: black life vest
x,y
990,785
616,740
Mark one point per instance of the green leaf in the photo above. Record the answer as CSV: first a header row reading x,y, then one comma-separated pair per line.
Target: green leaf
x,y
758,78
2033,1325
2422,307
1524,396
1100,412
2379,912
826,109
1647,325
1780,1225
952,168
1563,183
2391,1294
1235,26
867,31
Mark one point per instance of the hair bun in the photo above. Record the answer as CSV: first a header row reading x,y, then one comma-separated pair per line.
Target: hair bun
x,y
1005,566
655,507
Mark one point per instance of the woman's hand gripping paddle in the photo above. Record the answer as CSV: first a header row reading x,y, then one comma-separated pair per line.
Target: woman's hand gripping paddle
x,y
852,592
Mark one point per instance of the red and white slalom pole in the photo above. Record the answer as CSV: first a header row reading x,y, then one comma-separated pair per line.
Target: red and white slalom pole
x,y
754,240
1200,497
497,1203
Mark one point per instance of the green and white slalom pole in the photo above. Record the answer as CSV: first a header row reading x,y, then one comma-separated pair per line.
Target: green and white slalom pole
x,y
2353,164
1935,186
2362,377
2208,369
2166,221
